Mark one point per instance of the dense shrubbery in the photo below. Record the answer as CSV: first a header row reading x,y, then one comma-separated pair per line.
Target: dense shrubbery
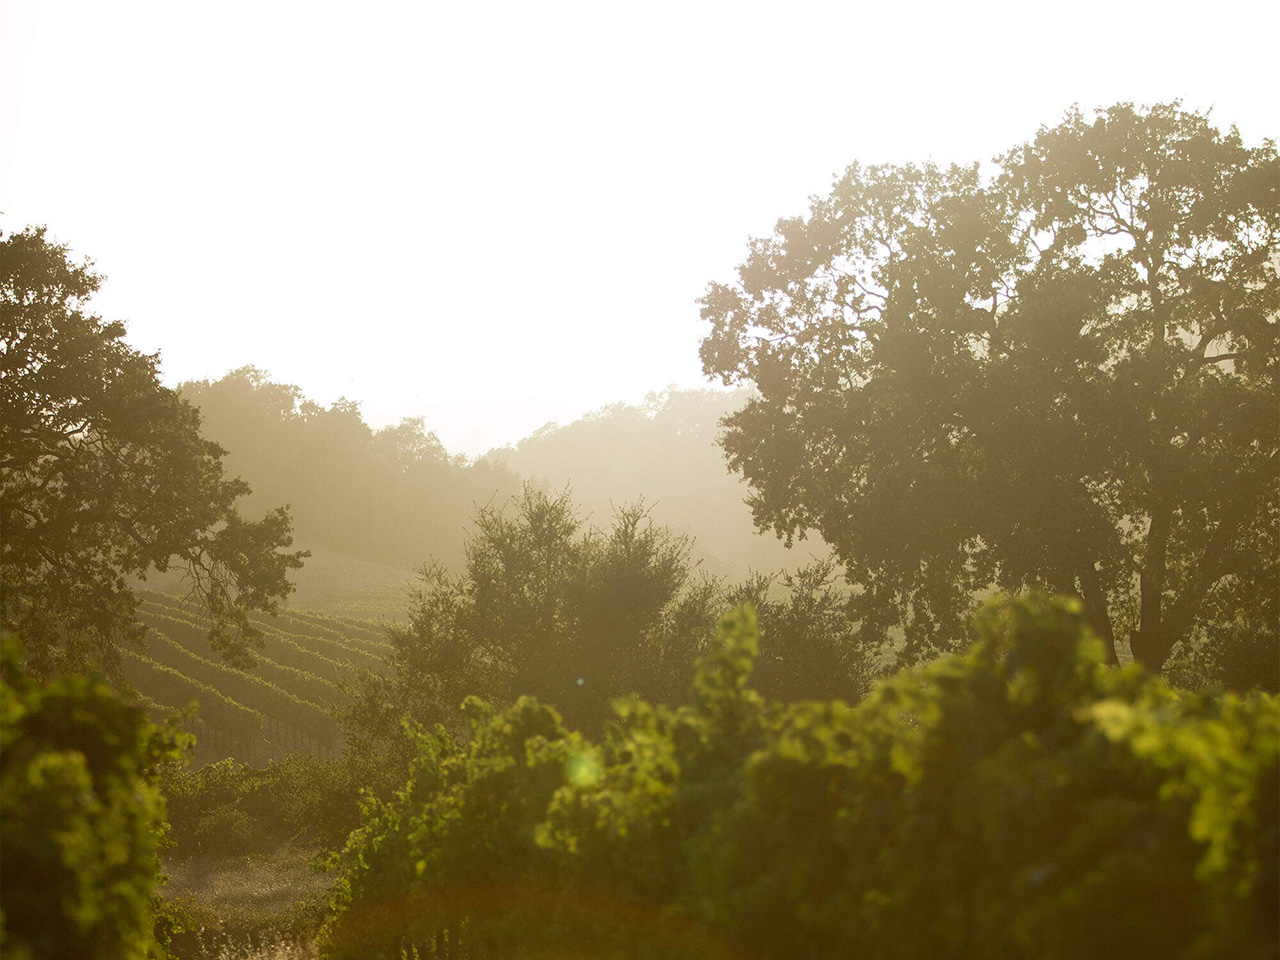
x,y
1023,800
811,646
1035,804
230,809
82,817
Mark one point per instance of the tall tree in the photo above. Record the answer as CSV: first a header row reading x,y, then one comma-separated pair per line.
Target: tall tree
x,y
1060,375
104,475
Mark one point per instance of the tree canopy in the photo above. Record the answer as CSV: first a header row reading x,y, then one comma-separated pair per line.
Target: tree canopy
x,y
1061,373
104,476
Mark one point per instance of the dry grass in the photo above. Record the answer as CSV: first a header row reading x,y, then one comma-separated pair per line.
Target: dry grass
x,y
265,907
264,948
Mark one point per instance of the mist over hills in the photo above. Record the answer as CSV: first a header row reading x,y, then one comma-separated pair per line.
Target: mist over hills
x,y
664,451
374,504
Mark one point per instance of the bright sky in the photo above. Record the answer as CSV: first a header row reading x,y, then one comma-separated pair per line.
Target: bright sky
x,y
497,215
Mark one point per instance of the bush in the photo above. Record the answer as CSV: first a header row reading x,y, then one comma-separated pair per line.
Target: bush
x,y
81,817
1020,801
230,809
579,616
1023,800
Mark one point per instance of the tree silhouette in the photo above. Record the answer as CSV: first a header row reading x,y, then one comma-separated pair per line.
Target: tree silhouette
x,y
104,475
1061,375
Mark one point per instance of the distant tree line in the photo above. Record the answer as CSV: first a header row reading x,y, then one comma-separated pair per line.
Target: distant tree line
x,y
394,495
665,451
391,495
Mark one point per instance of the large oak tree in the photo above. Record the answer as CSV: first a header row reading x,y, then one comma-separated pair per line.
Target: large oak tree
x,y
104,476
1060,373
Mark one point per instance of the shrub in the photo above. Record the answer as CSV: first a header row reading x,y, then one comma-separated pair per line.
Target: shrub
x,y
81,817
1022,800
229,809
578,616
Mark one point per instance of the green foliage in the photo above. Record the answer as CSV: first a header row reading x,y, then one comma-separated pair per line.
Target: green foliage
x,y
580,616
1060,376
106,476
546,607
82,817
229,809
1021,800
396,846
518,840
811,647
1237,656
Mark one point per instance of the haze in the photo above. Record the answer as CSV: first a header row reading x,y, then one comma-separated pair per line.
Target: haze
x,y
496,216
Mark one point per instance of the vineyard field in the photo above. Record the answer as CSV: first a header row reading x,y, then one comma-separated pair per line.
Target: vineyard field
x,y
287,701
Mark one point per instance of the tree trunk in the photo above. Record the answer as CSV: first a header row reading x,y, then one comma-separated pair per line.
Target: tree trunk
x,y
1095,608
1157,637
1151,646
1150,643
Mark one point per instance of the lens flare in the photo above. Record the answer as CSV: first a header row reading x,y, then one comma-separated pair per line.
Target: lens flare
x,y
583,771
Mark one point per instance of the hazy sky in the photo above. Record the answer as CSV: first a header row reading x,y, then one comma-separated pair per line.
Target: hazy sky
x,y
496,215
